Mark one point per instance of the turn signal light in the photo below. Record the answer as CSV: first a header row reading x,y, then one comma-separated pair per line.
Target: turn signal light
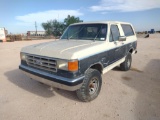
x,y
73,65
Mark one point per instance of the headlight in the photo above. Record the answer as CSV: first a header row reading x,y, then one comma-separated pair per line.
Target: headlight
x,y
62,64
68,65
23,56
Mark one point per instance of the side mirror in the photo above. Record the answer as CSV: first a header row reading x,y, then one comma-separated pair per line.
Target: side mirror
x,y
122,38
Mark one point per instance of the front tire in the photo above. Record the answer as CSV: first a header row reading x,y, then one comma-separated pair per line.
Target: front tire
x,y
91,86
126,65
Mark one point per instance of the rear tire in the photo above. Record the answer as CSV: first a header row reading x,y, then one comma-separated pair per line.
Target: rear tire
x,y
91,86
126,65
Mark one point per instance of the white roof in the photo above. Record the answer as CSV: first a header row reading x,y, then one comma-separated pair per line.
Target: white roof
x,y
103,22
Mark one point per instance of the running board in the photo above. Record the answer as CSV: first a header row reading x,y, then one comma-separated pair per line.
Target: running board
x,y
113,65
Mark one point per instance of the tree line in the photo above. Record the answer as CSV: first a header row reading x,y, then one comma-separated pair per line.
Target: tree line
x,y
55,28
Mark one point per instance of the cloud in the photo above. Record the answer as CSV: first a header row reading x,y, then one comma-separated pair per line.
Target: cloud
x,y
125,5
40,17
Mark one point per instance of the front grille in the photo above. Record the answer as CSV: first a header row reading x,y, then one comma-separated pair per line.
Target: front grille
x,y
43,63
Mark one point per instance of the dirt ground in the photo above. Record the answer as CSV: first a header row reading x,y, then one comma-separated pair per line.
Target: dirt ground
x,y
132,95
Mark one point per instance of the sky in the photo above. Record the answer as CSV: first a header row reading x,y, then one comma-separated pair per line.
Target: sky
x,y
19,16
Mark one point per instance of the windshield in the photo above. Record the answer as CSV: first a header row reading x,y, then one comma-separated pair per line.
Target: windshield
x,y
86,32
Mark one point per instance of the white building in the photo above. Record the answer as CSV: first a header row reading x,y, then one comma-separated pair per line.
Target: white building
x,y
35,33
3,33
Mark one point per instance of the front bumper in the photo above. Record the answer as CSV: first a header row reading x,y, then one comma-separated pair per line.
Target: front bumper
x,y
53,80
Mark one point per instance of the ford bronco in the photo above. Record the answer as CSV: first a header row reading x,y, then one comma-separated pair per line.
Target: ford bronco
x,y
84,52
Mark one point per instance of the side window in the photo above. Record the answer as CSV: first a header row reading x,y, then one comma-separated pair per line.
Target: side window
x,y
114,33
111,37
128,31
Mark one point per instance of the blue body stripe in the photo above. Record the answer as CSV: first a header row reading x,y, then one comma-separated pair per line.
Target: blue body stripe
x,y
106,58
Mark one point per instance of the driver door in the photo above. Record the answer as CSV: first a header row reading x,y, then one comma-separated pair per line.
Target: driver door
x,y
116,53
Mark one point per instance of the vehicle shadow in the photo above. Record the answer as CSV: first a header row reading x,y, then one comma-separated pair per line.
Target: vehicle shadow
x,y
24,82
67,94
147,84
117,68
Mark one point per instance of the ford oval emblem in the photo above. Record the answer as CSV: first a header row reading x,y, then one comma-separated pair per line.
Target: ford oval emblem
x,y
38,62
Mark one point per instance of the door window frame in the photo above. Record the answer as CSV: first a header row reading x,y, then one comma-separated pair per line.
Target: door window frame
x,y
111,34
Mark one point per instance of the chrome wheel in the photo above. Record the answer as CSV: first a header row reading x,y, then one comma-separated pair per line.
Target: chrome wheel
x,y
93,85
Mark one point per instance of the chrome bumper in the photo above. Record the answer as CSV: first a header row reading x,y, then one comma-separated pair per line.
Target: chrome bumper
x,y
53,80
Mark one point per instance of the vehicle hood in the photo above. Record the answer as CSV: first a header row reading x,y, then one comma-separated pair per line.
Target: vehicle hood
x,y
64,49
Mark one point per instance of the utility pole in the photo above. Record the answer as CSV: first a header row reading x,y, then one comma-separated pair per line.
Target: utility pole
x,y
36,27
58,17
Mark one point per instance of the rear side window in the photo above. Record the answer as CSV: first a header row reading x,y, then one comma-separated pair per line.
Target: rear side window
x,y
128,31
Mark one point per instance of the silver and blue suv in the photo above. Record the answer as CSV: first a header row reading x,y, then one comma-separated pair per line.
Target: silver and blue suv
x,y
84,52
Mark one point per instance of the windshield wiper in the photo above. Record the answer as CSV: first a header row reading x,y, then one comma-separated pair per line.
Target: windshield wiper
x,y
97,35
76,33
